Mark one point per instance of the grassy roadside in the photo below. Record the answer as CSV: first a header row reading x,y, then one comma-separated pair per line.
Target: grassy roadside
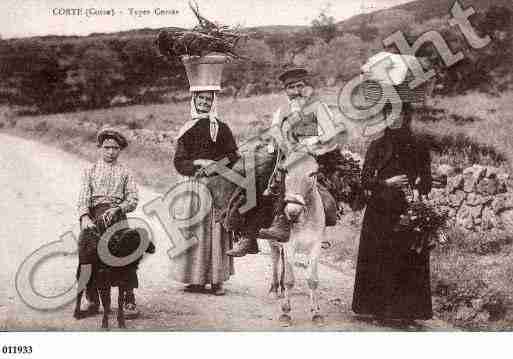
x,y
151,130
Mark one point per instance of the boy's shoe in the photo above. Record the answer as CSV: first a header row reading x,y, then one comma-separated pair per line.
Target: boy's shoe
x,y
195,288
217,289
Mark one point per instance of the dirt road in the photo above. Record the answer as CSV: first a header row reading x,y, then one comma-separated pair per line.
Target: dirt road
x,y
38,187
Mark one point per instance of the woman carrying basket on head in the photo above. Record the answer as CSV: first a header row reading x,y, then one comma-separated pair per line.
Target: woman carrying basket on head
x,y
392,280
203,140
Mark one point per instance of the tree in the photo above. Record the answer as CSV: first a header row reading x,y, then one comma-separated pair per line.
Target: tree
x,y
389,21
102,75
286,46
324,25
33,68
338,60
258,68
143,66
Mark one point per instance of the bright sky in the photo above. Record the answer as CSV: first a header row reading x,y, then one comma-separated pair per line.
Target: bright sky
x,y
19,18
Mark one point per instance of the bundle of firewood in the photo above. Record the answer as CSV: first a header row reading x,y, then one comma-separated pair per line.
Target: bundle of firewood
x,y
205,38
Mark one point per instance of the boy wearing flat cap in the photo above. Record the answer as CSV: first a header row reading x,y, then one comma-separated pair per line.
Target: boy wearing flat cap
x,y
108,191
304,122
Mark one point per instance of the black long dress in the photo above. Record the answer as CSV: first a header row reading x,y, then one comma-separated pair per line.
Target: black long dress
x,y
392,281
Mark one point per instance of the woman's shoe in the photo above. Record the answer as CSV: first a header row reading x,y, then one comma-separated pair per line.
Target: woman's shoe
x,y
217,289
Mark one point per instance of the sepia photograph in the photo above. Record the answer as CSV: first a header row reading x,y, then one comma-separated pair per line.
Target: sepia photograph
x,y
256,166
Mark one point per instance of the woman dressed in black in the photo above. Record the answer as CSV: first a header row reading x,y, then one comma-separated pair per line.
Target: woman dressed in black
x,y
392,281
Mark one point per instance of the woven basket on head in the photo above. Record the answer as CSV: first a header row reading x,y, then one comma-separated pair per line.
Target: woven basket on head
x,y
381,81
204,72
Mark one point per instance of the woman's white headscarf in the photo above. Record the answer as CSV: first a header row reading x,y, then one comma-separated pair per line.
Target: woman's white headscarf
x,y
196,116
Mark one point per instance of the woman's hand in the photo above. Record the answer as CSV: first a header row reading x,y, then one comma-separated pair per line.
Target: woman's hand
x,y
397,181
203,162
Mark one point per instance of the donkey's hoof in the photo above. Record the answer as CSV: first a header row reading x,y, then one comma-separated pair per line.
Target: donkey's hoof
x,y
273,291
285,307
121,320
78,314
285,320
318,319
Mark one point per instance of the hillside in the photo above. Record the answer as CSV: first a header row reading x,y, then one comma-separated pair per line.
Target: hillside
x,y
423,10
52,74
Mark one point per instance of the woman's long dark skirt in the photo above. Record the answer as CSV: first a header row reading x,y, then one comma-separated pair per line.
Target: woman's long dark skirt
x,y
392,281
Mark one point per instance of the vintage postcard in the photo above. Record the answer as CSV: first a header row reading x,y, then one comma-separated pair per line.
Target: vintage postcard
x,y
256,165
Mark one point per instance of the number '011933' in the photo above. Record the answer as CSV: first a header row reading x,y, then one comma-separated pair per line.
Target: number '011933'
x,y
17,349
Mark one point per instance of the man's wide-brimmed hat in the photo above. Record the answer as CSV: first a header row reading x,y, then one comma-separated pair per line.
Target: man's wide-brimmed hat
x,y
292,75
109,132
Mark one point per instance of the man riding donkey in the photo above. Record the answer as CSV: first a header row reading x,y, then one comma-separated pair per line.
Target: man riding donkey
x,y
305,123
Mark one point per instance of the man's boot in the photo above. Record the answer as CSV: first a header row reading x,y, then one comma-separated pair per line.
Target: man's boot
x,y
246,245
93,300
278,231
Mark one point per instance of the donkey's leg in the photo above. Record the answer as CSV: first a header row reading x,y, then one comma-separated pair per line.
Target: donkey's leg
x,y
121,303
274,291
105,298
77,314
288,257
313,284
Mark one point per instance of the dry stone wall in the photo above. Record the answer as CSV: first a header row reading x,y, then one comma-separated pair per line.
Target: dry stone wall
x,y
478,199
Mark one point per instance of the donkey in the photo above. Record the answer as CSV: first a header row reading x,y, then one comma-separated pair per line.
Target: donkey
x,y
122,243
305,212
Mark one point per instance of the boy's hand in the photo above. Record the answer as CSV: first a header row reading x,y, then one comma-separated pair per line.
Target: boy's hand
x,y
110,214
87,223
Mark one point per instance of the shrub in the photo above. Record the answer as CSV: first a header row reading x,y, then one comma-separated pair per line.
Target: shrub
x,y
460,150
468,291
134,124
468,302
41,126
478,243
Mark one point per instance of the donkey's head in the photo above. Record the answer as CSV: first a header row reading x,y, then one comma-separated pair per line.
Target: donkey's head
x,y
300,180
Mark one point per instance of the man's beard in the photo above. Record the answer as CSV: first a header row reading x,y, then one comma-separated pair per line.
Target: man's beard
x,y
297,102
